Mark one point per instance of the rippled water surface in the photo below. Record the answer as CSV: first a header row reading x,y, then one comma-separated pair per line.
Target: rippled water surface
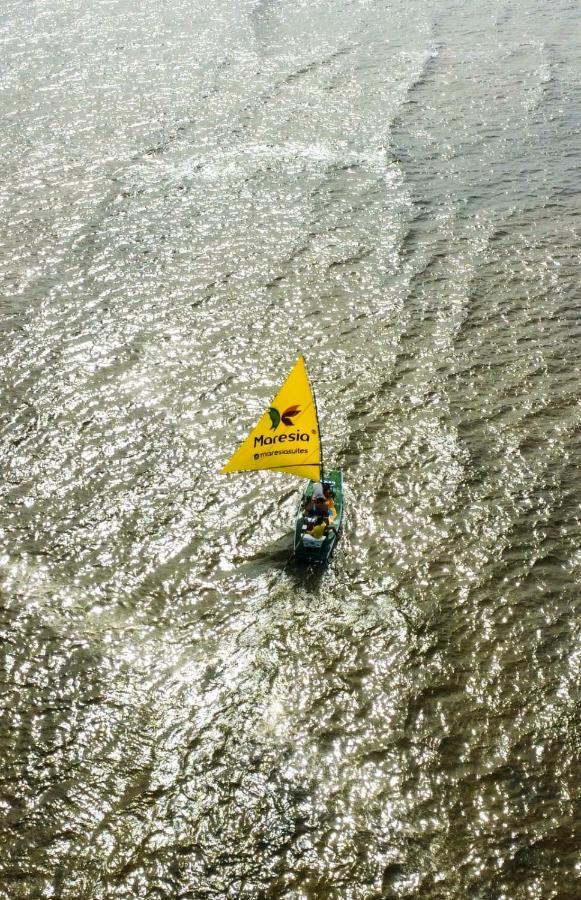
x,y
191,195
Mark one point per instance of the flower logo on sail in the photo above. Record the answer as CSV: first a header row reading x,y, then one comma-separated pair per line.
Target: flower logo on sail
x,y
286,417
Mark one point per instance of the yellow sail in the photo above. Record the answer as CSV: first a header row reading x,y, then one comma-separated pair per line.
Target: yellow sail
x,y
287,437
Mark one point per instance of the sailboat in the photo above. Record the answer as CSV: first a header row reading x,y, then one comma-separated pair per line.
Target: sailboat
x,y
287,439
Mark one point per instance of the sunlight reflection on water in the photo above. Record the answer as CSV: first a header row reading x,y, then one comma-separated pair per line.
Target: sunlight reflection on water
x,y
390,192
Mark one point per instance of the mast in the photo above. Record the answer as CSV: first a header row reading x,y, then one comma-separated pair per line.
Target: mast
x,y
321,467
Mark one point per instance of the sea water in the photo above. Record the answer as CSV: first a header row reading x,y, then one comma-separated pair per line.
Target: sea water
x,y
191,196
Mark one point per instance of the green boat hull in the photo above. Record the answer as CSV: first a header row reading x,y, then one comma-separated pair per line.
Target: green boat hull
x,y
310,551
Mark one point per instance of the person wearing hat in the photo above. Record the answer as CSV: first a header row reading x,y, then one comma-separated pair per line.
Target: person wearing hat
x,y
318,490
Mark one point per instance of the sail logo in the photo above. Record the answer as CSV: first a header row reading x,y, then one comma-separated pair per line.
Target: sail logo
x,y
264,440
293,437
285,417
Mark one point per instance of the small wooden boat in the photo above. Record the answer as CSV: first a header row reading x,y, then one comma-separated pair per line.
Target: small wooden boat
x,y
287,439
308,546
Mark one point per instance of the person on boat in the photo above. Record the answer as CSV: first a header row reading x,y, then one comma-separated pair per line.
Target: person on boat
x,y
329,500
316,506
317,528
318,490
318,516
325,495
